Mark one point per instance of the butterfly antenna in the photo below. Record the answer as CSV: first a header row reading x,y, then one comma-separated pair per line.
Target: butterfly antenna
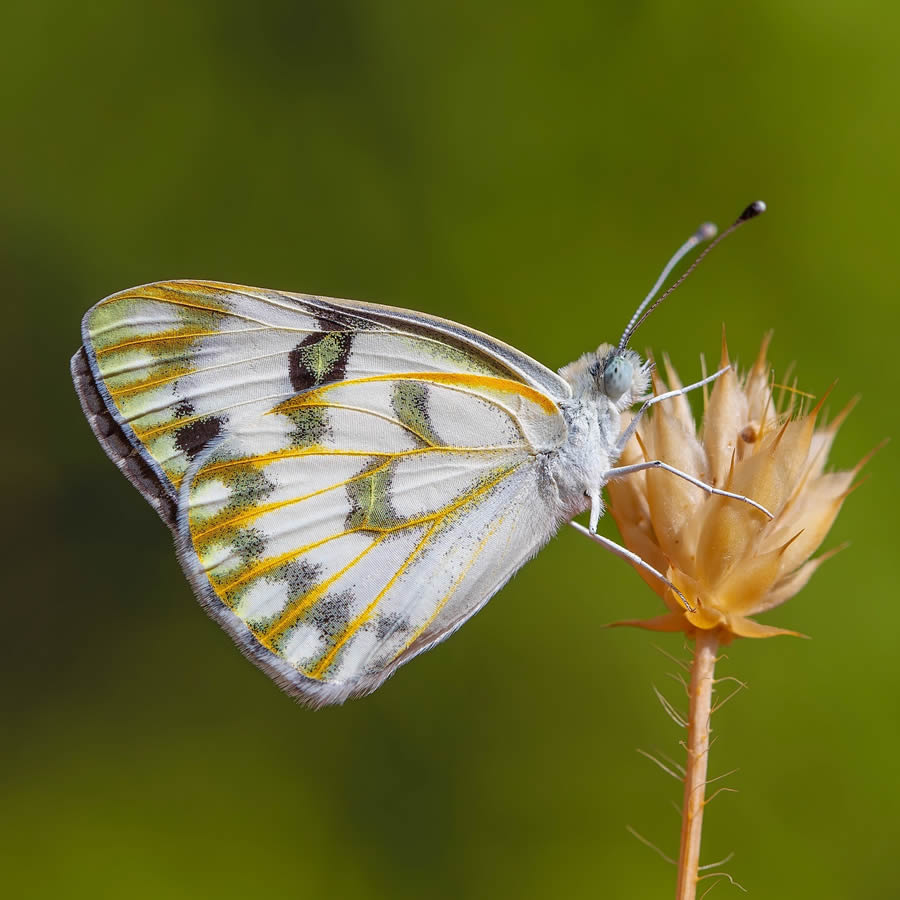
x,y
703,233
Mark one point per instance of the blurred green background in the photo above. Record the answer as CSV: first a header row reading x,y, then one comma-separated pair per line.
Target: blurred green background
x,y
525,169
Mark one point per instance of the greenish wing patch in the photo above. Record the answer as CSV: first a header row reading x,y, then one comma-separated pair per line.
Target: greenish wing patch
x,y
247,488
310,425
319,358
410,403
370,501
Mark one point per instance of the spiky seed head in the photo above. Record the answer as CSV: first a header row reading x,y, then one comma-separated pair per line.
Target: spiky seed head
x,y
728,559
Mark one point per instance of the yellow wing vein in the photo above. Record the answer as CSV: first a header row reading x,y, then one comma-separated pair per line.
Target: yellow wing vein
x,y
436,519
172,302
366,614
229,313
368,412
361,311
446,598
306,304
448,379
146,434
275,561
169,337
261,510
302,603
167,361
150,385
271,507
291,454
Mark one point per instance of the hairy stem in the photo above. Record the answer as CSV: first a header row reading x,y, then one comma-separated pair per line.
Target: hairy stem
x,y
697,758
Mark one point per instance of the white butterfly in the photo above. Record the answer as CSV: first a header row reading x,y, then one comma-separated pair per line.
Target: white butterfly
x,y
348,483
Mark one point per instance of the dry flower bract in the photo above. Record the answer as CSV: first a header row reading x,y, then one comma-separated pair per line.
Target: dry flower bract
x,y
728,559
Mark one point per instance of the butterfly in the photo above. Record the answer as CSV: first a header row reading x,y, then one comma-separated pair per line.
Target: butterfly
x,y
348,483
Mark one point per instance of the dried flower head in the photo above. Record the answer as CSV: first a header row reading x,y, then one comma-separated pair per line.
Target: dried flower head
x,y
728,559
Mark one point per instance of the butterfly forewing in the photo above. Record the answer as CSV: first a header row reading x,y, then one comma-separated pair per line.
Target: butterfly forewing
x,y
352,482
182,362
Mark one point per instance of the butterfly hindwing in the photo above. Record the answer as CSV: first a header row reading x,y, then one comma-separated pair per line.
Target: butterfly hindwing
x,y
345,545
132,460
348,482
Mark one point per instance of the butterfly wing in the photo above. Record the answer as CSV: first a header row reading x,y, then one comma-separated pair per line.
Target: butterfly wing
x,y
348,483
358,524
176,364
119,442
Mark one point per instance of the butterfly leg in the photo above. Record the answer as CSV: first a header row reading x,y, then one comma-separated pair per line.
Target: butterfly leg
x,y
625,554
596,511
628,433
619,471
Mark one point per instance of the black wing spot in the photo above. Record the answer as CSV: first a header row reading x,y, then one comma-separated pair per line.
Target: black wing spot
x,y
331,615
192,438
184,409
319,358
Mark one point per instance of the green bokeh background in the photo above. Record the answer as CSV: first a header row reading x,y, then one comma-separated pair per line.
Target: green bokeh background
x,y
525,169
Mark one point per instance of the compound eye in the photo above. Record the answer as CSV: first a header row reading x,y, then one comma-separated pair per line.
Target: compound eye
x,y
617,377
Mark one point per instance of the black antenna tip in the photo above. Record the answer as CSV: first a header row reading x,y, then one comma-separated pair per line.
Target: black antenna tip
x,y
752,211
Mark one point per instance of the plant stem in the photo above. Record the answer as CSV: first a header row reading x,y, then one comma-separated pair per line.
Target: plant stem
x,y
697,758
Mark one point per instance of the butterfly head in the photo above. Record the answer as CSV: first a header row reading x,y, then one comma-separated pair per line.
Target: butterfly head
x,y
621,375
618,375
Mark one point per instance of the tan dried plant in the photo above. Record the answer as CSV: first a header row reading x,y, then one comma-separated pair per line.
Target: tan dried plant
x,y
729,560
